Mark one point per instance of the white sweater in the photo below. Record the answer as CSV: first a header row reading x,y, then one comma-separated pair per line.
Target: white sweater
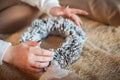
x,y
43,5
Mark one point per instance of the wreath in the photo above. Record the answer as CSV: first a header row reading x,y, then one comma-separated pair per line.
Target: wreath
x,y
71,48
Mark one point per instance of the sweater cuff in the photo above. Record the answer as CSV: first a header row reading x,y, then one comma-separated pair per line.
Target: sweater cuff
x,y
3,47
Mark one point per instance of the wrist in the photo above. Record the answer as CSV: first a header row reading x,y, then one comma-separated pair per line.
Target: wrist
x,y
57,11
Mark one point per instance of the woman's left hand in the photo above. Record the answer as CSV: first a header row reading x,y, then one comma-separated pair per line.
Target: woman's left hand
x,y
68,13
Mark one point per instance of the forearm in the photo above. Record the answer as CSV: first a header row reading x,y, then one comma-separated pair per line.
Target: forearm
x,y
3,47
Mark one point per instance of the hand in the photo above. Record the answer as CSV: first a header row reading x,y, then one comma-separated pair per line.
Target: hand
x,y
68,13
27,57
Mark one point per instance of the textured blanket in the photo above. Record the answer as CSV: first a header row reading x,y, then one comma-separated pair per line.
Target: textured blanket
x,y
100,59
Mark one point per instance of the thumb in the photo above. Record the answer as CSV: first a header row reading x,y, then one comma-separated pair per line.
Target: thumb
x,y
33,43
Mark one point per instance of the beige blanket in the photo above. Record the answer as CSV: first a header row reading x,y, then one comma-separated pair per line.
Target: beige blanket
x,y
100,59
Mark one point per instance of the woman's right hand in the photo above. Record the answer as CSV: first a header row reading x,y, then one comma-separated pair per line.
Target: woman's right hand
x,y
28,57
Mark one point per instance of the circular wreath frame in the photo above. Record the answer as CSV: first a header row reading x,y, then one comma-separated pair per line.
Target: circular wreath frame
x,y
70,49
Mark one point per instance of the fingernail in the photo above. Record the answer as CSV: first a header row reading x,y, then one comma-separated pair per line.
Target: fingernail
x,y
44,69
86,13
67,6
78,25
39,41
81,24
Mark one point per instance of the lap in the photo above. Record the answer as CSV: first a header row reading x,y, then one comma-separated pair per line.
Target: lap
x,y
4,4
17,16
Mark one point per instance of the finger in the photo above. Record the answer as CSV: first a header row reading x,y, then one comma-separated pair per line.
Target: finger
x,y
42,52
78,11
77,20
43,59
39,65
33,43
34,70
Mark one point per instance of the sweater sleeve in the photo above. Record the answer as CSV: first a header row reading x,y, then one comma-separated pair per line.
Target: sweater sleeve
x,y
3,47
43,5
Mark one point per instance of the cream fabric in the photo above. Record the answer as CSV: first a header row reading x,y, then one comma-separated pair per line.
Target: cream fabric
x,y
3,47
106,11
43,5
